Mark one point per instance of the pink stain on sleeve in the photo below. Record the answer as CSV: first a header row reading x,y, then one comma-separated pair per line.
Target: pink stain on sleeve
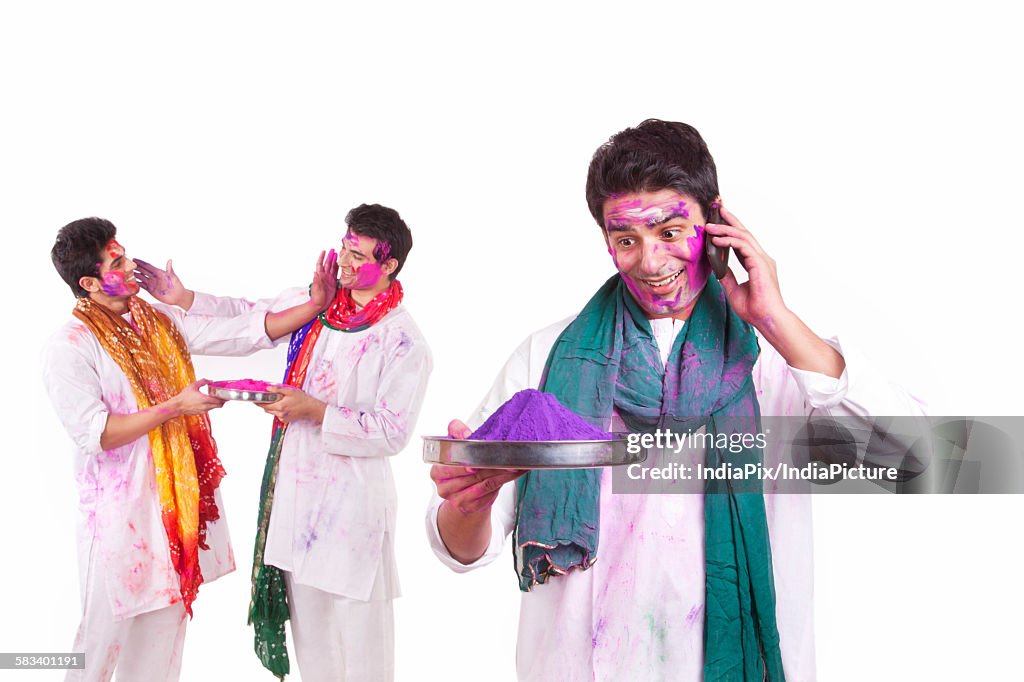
x,y
78,334
113,653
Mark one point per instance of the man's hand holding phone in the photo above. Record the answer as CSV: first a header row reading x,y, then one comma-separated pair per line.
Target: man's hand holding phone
x,y
759,302
759,299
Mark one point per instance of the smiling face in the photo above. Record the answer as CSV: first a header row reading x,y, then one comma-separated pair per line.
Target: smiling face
x,y
116,278
358,267
656,240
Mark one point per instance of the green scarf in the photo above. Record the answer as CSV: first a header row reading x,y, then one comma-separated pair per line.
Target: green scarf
x,y
607,359
268,607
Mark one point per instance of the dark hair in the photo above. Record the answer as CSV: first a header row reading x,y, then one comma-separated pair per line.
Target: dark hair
x,y
653,156
394,240
79,250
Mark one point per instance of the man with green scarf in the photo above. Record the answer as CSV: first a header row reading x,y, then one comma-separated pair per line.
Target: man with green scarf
x,y
654,587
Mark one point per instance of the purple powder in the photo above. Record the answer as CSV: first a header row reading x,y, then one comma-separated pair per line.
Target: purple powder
x,y
532,415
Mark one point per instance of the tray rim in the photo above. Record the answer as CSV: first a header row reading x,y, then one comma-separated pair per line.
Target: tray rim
x,y
620,439
258,396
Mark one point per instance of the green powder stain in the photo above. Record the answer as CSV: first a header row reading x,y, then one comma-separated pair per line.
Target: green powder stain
x,y
657,633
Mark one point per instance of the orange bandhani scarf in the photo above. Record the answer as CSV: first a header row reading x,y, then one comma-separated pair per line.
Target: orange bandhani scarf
x,y
154,357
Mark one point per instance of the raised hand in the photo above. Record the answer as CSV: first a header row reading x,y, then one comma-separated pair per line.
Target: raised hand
x,y
759,302
325,280
163,285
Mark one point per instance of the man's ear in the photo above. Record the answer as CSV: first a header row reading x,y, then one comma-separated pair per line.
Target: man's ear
x,y
389,266
90,284
715,214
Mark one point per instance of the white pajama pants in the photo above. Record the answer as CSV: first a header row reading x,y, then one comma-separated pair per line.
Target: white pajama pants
x,y
143,648
338,639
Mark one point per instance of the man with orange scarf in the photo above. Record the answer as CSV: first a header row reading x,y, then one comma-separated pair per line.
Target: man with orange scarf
x,y
121,379
356,378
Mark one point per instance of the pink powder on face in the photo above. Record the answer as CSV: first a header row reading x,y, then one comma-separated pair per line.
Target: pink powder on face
x,y
244,385
697,273
533,415
367,276
114,284
642,261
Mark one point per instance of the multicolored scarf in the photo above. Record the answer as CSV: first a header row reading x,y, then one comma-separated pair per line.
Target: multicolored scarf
x,y
154,357
345,315
268,609
607,359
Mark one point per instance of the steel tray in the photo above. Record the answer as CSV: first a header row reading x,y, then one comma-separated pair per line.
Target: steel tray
x,y
240,394
499,454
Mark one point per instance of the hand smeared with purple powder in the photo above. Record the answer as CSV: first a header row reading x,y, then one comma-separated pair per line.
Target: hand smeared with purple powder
x,y
533,415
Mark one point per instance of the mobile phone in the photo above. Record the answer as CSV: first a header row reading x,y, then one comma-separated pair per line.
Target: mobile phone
x,y
718,256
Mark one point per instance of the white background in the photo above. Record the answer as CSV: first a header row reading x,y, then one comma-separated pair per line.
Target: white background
x,y
873,150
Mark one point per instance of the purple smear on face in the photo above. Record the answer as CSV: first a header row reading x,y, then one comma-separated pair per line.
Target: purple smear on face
x,y
533,415
113,284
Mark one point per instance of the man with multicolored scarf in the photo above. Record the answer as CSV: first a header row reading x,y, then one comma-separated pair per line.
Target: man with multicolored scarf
x,y
353,387
708,587
121,380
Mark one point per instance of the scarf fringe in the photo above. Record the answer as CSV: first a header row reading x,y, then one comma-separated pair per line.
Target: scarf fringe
x,y
268,614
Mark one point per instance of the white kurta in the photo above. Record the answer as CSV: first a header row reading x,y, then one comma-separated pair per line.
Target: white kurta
x,y
638,613
120,526
335,499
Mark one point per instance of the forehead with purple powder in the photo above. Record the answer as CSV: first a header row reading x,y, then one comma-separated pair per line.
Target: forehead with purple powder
x,y
533,415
